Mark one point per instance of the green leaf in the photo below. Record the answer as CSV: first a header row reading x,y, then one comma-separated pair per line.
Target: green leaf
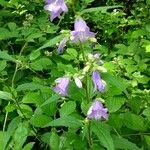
x,y
4,138
133,121
20,135
34,55
114,103
122,143
54,141
4,55
41,64
52,42
146,112
67,121
5,95
30,86
148,48
3,65
67,108
103,134
101,9
28,146
40,120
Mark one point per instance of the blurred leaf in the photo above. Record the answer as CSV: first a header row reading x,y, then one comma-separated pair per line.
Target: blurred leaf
x,y
67,108
52,42
3,65
34,55
103,134
28,146
67,121
133,121
4,55
114,103
40,120
122,143
20,135
5,95
146,112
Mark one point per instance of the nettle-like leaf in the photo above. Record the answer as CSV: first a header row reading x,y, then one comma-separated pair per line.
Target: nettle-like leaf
x,y
103,135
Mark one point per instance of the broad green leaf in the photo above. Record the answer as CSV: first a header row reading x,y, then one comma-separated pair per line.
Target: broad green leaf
x,y
114,103
122,143
67,108
4,138
133,121
32,97
52,42
146,112
5,95
103,134
28,146
20,135
3,65
54,141
148,48
4,55
40,120
34,55
67,121
41,64
30,86
101,9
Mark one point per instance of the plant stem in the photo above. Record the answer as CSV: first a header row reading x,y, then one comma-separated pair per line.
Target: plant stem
x,y
12,85
87,95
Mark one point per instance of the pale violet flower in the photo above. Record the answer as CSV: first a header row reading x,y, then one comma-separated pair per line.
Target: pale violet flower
x,y
56,7
97,111
78,82
61,45
62,85
81,31
98,82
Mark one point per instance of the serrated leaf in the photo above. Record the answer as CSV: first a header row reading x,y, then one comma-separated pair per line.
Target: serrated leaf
x,y
41,64
34,55
114,103
20,135
5,95
30,86
52,42
101,9
122,143
103,134
40,120
67,108
4,55
133,121
67,121
28,146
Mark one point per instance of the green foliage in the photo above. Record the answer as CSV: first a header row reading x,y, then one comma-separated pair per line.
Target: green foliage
x,y
32,115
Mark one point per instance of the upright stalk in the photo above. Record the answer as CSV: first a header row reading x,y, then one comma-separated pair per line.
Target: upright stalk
x,y
87,95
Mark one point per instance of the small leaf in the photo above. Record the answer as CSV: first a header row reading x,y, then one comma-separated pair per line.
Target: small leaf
x,y
34,55
5,95
148,48
28,146
67,121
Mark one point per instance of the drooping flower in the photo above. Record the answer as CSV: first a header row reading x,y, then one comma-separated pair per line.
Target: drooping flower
x,y
61,45
98,82
56,7
78,82
97,111
62,86
81,31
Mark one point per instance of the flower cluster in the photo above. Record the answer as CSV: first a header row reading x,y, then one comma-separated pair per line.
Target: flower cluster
x,y
81,34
